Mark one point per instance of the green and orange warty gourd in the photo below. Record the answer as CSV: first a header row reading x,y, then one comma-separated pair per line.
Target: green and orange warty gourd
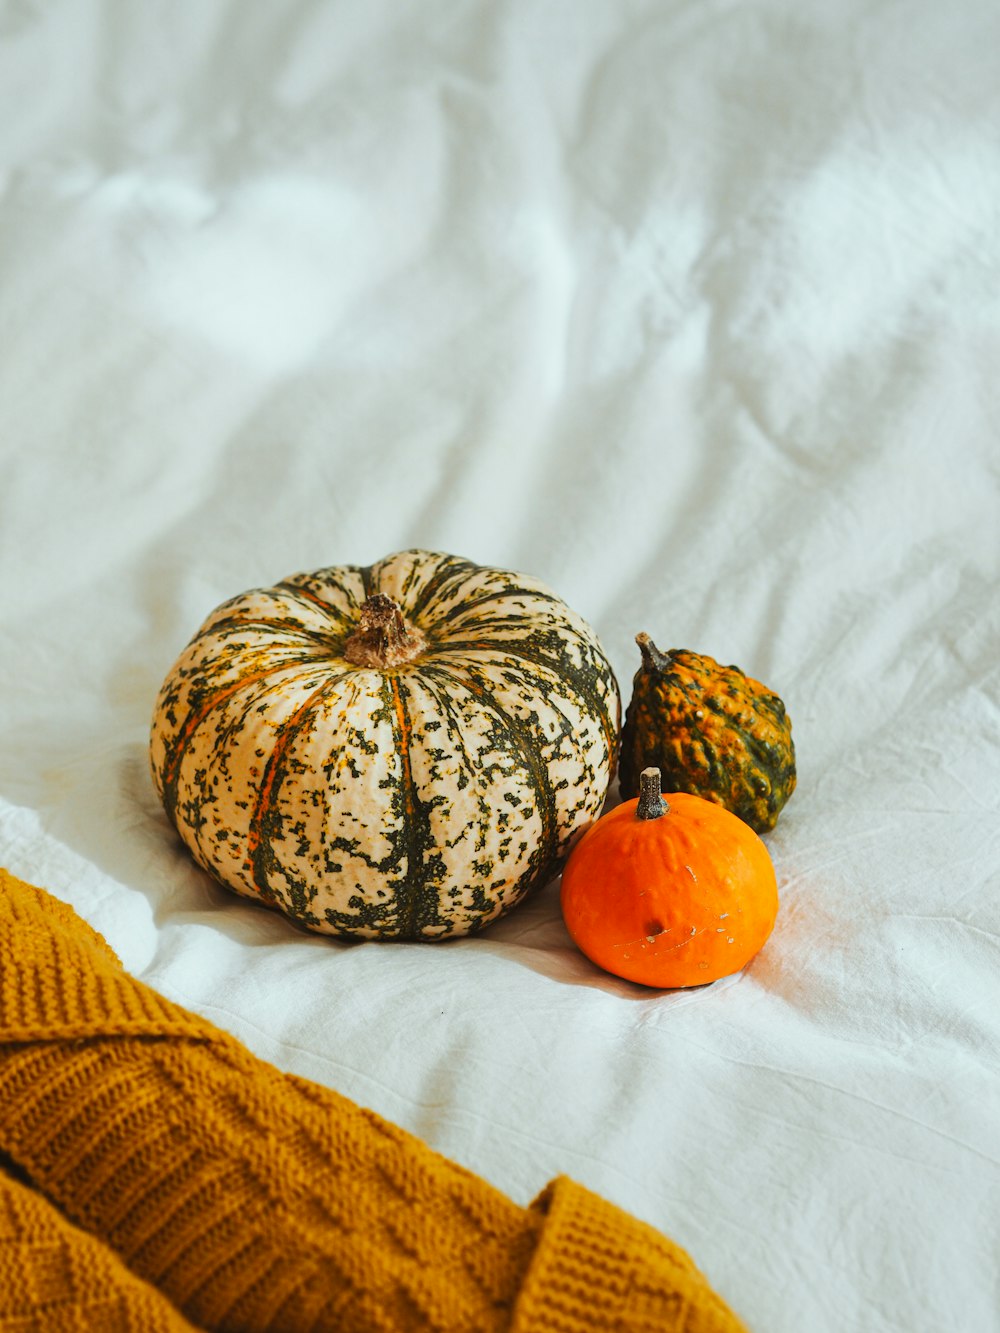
x,y
669,893
712,731
401,751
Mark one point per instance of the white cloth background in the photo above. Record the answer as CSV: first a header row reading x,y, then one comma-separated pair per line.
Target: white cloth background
x,y
692,310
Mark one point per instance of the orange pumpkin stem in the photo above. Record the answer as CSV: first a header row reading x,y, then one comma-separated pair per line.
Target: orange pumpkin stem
x,y
652,658
383,639
651,803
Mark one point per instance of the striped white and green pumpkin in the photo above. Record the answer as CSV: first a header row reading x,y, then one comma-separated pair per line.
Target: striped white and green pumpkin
x,y
395,752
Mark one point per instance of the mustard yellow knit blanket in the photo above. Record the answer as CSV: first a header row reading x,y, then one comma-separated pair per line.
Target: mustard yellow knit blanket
x,y
155,1176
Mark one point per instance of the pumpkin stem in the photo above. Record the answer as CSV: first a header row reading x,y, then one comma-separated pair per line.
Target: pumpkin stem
x,y
383,639
651,803
652,658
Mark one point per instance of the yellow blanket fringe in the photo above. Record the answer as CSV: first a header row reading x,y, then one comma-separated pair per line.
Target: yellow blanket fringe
x,y
155,1177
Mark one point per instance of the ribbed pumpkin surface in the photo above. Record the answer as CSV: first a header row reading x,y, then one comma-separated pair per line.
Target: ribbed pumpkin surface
x,y
415,800
712,731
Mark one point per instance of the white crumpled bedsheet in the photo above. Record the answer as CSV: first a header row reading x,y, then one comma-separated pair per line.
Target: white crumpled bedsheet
x,y
691,310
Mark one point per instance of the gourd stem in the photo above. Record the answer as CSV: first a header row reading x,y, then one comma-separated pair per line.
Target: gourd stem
x,y
652,658
651,803
383,639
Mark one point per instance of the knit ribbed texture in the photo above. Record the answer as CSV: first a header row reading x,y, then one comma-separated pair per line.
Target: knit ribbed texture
x,y
55,1278
596,1267
253,1200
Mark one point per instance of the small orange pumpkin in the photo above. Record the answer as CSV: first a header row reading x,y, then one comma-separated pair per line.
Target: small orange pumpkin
x,y
669,895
